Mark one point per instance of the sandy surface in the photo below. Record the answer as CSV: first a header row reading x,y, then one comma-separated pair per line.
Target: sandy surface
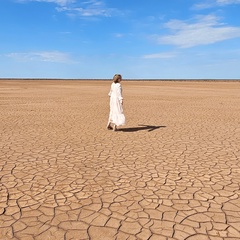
x,y
173,172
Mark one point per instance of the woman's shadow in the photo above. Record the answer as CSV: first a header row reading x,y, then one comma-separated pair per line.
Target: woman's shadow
x,y
141,127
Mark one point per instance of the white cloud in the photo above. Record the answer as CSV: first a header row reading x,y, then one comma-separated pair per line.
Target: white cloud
x,y
202,5
160,55
118,35
226,2
52,56
88,9
85,12
205,30
74,8
58,2
215,3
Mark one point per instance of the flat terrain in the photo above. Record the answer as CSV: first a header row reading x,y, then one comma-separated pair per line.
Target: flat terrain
x,y
172,172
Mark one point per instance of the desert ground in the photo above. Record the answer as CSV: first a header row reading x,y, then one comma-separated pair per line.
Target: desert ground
x,y
171,173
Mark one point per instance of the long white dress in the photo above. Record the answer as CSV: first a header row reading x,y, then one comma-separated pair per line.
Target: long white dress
x,y
116,115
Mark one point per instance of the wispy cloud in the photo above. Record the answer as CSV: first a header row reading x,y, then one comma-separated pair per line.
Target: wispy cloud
x,y
160,55
52,56
226,2
118,35
92,8
204,30
58,2
209,3
74,8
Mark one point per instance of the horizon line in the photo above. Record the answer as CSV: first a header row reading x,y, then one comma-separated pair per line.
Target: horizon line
x,y
126,79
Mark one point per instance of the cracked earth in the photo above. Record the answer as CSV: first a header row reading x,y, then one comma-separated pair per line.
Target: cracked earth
x,y
171,173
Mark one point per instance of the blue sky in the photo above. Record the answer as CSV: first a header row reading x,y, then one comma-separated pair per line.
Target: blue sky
x,y
159,39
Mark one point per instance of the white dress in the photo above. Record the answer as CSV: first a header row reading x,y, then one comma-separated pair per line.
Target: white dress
x,y
116,115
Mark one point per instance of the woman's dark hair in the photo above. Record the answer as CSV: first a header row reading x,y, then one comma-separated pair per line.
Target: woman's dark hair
x,y
117,77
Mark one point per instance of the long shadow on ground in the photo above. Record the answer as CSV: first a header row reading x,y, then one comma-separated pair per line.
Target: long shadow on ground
x,y
148,128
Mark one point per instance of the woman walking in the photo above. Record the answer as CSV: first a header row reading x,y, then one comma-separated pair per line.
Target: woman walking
x,y
116,116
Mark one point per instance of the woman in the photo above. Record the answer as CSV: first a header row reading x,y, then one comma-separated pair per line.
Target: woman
x,y
116,116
